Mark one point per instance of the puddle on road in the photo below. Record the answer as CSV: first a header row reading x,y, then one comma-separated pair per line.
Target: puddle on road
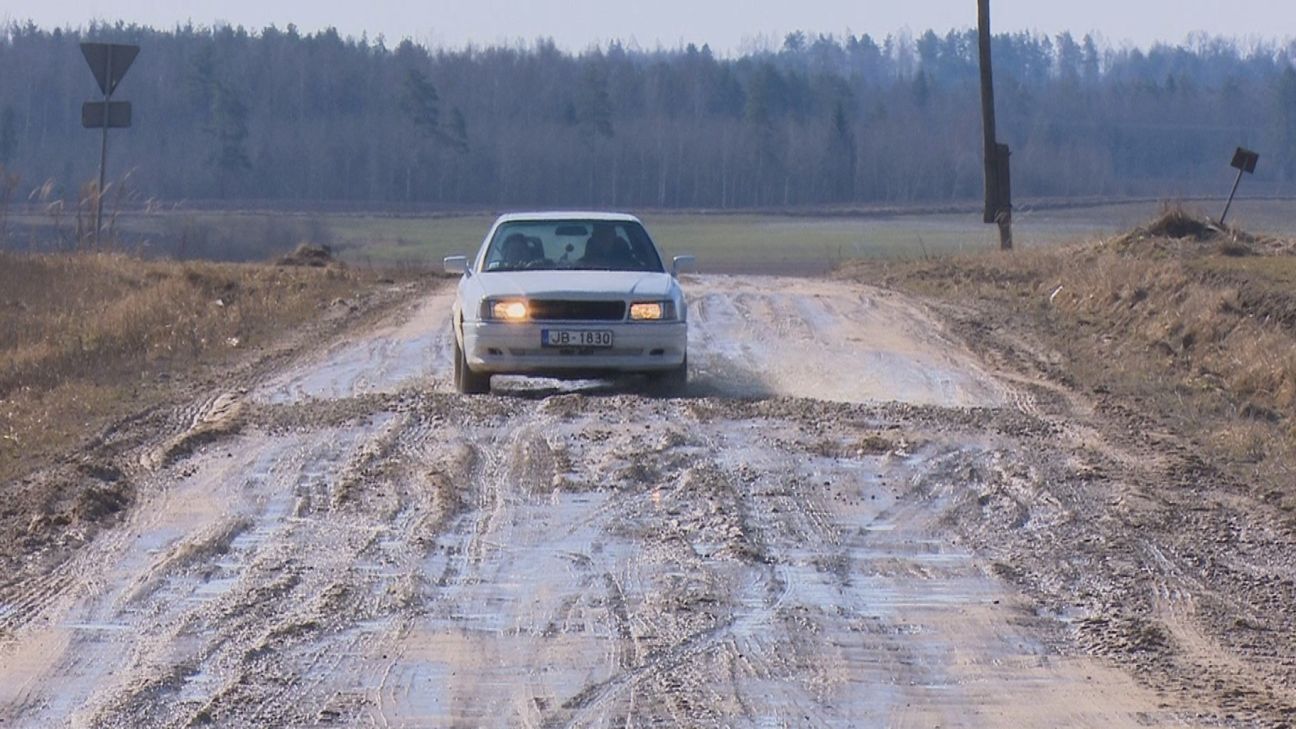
x,y
98,627
397,356
824,340
382,366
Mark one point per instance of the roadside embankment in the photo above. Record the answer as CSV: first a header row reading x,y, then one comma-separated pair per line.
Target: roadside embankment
x,y
94,345
85,337
1165,361
1179,324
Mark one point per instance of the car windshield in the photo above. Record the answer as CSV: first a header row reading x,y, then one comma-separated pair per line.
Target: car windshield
x,y
583,245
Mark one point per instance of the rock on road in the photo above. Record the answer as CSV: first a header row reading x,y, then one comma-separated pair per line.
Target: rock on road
x,y
347,542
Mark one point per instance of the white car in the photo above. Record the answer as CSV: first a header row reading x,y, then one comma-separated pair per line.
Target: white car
x,y
569,295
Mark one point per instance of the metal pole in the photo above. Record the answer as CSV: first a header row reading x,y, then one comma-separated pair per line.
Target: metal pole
x,y
103,153
1232,192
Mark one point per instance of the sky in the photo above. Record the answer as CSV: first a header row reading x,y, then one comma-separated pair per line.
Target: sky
x,y
729,26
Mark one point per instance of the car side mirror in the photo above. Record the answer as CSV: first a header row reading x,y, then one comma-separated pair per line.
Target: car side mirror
x,y
457,264
681,264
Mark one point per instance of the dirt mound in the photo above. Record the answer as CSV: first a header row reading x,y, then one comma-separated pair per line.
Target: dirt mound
x,y
1177,230
1178,223
308,254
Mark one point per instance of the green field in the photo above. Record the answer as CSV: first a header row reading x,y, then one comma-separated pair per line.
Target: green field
x,y
743,242
721,242
795,243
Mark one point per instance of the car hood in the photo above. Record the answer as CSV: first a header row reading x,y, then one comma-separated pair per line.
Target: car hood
x,y
575,284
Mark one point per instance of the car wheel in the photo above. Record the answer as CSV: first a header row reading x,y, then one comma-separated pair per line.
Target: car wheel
x,y
670,383
467,381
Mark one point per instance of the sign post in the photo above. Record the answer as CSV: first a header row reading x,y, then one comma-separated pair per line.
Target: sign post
x,y
1245,161
109,63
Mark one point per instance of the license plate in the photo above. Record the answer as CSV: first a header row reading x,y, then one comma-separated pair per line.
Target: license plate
x,y
576,338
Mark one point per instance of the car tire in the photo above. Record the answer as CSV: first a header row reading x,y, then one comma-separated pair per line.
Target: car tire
x,y
466,381
670,383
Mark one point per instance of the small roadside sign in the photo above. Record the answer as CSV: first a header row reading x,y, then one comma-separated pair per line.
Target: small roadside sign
x,y
1245,160
111,114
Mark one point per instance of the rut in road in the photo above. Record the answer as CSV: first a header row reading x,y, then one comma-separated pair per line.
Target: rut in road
x,y
362,547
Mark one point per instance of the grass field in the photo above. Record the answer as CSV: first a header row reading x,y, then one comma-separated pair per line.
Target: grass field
x,y
792,243
742,242
731,243
85,338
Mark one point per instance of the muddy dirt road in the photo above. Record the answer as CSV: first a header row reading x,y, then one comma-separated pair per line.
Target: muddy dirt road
x,y
347,542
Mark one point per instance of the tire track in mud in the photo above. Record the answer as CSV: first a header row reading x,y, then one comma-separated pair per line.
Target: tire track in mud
x,y
364,549
280,516
1164,565
384,585
241,611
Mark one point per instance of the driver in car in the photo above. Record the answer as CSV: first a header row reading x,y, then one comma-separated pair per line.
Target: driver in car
x,y
517,253
606,249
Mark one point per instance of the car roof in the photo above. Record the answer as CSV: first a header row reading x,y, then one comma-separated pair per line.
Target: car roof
x,y
567,215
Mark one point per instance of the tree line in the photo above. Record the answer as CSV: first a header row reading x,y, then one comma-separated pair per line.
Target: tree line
x,y
229,114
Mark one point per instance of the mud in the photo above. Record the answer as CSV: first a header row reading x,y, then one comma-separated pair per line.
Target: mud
x,y
840,525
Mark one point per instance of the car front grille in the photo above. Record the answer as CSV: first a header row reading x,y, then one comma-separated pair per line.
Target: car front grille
x,y
564,310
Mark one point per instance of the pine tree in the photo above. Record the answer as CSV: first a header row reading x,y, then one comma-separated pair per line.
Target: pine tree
x,y
8,136
1286,99
421,103
1089,61
229,130
596,105
841,158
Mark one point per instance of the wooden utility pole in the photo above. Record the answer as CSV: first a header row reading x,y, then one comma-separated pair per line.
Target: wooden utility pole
x,y
998,187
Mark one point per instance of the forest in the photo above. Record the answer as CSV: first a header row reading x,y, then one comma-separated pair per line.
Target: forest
x,y
229,116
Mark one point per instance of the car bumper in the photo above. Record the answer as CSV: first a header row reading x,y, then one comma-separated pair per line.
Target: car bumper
x,y
512,348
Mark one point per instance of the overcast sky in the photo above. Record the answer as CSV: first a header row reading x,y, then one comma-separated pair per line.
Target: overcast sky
x,y
728,25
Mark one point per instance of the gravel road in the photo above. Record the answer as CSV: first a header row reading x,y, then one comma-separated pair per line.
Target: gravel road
x,y
348,542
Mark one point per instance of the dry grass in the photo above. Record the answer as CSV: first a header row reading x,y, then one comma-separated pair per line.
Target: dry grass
x,y
1179,318
87,337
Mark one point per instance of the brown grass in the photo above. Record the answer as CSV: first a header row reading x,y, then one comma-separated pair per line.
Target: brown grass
x,y
1180,318
86,337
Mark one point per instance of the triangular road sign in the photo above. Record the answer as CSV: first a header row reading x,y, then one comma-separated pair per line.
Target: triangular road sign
x,y
102,56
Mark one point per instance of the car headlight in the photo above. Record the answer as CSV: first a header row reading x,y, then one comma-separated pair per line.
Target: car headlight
x,y
505,309
652,310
